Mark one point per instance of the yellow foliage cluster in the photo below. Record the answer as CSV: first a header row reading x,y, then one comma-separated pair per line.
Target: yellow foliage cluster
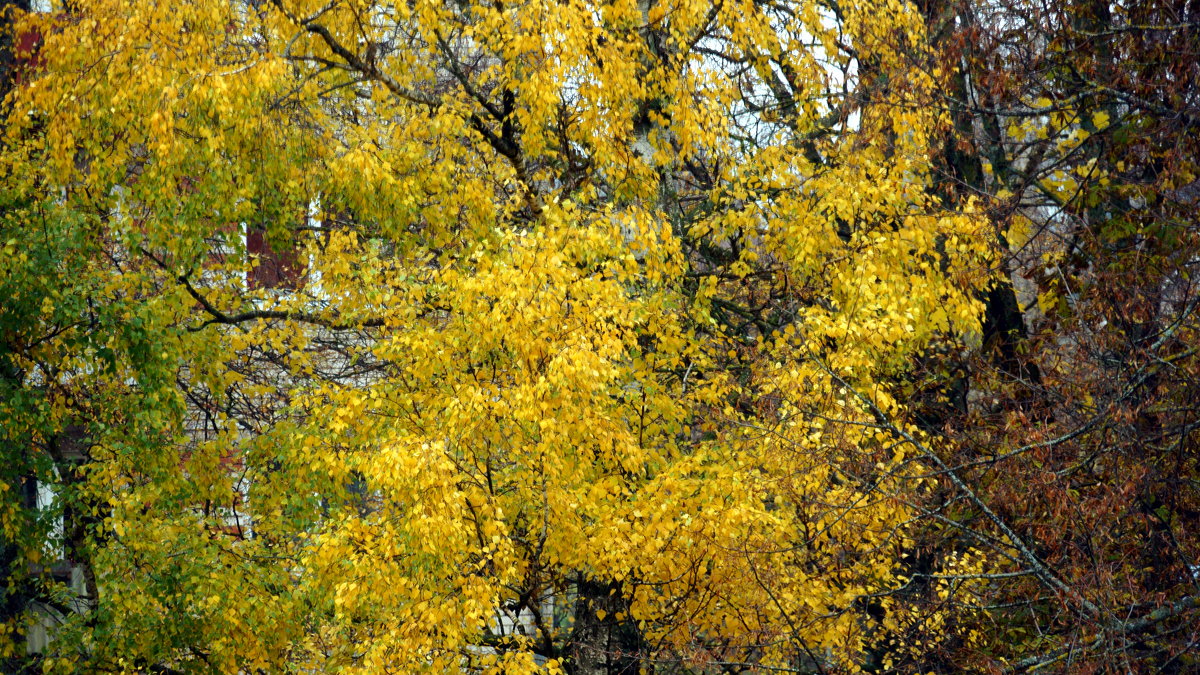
x,y
595,293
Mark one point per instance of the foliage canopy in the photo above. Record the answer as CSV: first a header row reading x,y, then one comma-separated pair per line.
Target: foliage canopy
x,y
504,337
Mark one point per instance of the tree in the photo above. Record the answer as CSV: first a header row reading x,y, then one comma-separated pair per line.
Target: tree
x,y
1072,466
607,310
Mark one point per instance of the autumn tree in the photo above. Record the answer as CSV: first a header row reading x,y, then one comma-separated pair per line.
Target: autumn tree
x,y
1064,444
599,361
